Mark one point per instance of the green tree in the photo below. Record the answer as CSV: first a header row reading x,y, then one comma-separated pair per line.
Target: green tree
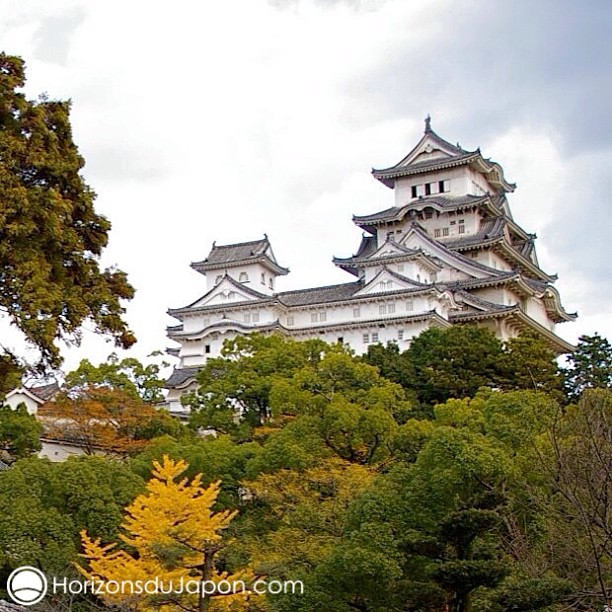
x,y
128,374
51,237
239,382
19,432
44,505
588,367
529,363
453,362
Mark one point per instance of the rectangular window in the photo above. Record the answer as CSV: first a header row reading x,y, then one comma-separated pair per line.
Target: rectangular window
x,y
255,317
461,221
445,231
382,309
453,222
247,318
390,308
356,312
461,229
400,267
366,338
414,191
428,214
322,316
443,186
290,320
437,233
340,340
409,305
427,188
374,336
474,255
314,317
207,349
400,334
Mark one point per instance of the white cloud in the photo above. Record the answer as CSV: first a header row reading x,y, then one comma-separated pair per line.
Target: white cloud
x,y
222,121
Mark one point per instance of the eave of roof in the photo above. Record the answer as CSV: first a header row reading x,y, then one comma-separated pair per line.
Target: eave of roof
x,y
491,169
437,202
204,266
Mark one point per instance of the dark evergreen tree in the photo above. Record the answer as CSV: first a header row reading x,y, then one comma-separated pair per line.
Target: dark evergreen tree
x,y
50,235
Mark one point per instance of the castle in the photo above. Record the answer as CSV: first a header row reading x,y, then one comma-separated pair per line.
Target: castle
x,y
448,252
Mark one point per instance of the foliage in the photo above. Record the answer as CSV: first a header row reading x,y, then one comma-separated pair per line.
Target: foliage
x,y
588,367
175,534
106,419
51,237
11,371
129,375
241,380
216,459
529,363
19,433
454,363
44,505
574,458
491,502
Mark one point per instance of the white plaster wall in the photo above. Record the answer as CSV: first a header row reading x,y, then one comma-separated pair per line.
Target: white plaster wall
x,y
55,451
458,178
535,308
21,398
254,272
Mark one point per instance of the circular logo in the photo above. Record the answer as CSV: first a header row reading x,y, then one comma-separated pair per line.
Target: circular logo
x,y
27,585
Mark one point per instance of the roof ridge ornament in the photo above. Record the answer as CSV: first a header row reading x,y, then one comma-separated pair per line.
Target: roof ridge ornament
x,y
428,124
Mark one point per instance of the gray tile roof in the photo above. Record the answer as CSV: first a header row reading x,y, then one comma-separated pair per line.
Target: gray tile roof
x,y
181,376
427,165
475,283
438,201
45,392
537,285
490,230
220,254
241,252
402,251
319,295
485,305
3,466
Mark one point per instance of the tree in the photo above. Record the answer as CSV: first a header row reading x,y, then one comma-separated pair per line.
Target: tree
x,y
175,534
19,432
44,505
574,458
453,362
529,363
589,366
106,419
129,375
51,237
239,382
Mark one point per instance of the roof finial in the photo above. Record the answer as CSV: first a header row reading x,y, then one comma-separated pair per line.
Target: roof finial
x,y
427,124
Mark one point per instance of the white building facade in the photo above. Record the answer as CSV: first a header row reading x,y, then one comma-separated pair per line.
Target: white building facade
x,y
448,252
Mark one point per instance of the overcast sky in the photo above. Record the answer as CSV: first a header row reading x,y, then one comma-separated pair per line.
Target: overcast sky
x,y
203,121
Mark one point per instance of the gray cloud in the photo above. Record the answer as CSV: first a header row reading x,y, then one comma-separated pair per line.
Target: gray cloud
x,y
544,62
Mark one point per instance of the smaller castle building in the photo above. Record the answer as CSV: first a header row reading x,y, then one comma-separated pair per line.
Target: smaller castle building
x,y
448,252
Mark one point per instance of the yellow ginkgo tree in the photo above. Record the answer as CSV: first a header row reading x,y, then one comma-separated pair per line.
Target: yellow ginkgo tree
x,y
175,536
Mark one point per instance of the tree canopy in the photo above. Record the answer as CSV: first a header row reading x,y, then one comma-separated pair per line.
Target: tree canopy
x,y
51,238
